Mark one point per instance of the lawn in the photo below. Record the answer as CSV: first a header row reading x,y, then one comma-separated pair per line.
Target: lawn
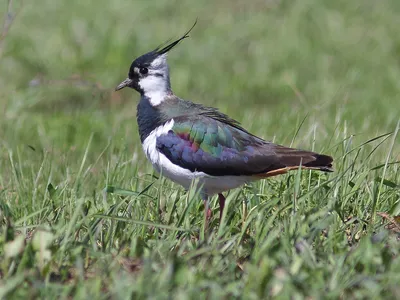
x,y
82,214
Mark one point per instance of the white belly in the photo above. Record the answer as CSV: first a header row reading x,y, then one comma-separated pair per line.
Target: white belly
x,y
209,185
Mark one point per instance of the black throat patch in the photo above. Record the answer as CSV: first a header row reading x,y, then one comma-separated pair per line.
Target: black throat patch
x,y
148,118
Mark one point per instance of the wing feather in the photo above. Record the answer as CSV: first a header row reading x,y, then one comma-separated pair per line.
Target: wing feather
x,y
202,143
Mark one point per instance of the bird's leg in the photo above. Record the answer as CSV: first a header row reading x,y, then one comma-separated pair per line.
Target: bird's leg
x,y
207,211
221,199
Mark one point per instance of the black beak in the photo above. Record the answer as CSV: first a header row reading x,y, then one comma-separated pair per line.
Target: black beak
x,y
125,83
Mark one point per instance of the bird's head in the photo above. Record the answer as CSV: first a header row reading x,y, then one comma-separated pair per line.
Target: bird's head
x,y
149,73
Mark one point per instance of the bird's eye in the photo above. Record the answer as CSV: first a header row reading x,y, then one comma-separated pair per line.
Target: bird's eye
x,y
144,71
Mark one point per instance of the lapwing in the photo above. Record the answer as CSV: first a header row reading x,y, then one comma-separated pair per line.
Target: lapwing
x,y
189,142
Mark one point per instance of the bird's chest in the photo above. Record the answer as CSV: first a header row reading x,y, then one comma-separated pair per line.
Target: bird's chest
x,y
151,152
149,118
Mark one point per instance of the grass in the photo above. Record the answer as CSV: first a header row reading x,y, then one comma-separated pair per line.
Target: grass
x,y
81,212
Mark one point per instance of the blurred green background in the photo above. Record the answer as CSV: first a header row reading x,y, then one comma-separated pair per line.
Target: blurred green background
x,y
314,74
254,60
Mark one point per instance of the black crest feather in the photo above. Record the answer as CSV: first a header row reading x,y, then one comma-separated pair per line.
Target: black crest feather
x,y
146,59
165,49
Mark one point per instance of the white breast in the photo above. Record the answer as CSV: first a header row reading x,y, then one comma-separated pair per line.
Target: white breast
x,y
210,185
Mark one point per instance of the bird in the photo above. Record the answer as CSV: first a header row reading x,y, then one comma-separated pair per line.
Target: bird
x,y
188,142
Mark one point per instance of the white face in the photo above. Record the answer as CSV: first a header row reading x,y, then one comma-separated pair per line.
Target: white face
x,y
155,84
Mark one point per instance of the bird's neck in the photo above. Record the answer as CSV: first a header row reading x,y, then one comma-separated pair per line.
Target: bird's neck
x,y
157,96
156,89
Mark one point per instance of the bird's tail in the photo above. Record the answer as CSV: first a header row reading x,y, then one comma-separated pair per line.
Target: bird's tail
x,y
291,159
